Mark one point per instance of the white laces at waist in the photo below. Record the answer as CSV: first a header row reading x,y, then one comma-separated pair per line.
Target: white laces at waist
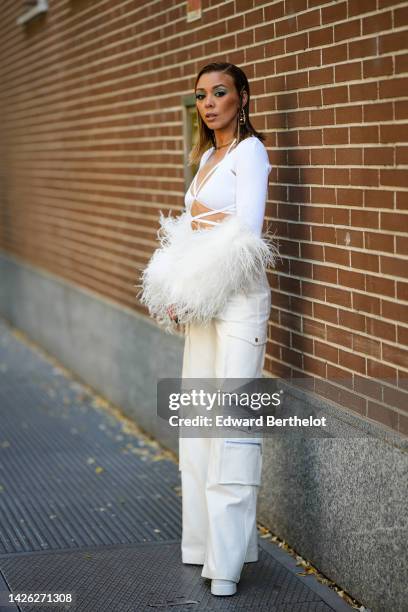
x,y
227,209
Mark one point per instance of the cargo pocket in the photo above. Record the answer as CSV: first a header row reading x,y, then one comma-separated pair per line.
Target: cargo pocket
x,y
241,462
257,335
244,350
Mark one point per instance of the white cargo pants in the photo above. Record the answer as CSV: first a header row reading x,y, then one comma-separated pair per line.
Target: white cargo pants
x,y
221,476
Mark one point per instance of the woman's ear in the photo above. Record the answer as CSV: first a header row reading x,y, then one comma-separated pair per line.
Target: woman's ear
x,y
244,98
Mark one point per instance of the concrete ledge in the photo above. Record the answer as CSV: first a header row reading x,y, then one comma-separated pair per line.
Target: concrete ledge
x,y
116,351
339,501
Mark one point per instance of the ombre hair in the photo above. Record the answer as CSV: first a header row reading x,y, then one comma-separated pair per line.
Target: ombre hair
x,y
205,134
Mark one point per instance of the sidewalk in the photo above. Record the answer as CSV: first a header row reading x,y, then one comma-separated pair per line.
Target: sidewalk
x,y
90,509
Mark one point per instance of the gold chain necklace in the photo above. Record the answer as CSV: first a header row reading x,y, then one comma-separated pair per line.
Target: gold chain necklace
x,y
224,145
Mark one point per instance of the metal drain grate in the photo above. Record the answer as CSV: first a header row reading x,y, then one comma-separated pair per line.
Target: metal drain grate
x,y
149,577
70,477
86,508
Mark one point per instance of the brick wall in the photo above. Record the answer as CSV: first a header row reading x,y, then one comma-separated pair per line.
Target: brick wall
x,y
92,147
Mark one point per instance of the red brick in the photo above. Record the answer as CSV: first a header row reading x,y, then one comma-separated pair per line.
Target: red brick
x,y
380,371
403,380
339,375
366,303
277,368
365,218
285,27
335,95
336,336
313,328
352,155
362,6
301,343
354,280
378,66
403,424
349,238
324,273
326,351
337,256
313,290
299,231
376,241
337,296
348,72
311,214
381,111
395,311
320,37
334,12
292,357
394,266
402,291
379,284
311,251
289,284
377,23
393,221
351,401
300,305
349,29
315,366
325,313
395,355
352,320
380,329
365,261
282,336
323,234
401,245
336,176
265,32
300,268
382,414
281,300
291,321
396,398
366,133
367,346
353,362
401,200
288,249
377,198
309,58
394,133
368,387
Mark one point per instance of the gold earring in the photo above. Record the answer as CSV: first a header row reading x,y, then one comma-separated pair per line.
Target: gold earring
x,y
242,116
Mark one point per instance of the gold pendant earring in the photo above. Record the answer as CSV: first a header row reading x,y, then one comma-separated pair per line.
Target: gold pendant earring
x,y
242,116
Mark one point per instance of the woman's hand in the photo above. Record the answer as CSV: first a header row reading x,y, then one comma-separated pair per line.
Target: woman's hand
x,y
197,208
172,315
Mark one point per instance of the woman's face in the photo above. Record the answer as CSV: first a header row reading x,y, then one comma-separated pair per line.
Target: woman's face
x,y
217,100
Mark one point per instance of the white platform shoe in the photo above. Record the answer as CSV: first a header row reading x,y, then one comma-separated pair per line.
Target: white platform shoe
x,y
223,587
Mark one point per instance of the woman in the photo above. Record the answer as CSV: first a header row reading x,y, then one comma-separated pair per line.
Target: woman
x,y
210,274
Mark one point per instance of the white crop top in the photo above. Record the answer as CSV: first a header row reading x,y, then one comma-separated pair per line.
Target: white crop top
x,y
238,184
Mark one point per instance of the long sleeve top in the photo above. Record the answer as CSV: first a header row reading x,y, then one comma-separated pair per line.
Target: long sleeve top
x,y
196,272
238,184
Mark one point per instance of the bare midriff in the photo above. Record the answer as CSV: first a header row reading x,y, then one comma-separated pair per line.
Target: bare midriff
x,y
198,208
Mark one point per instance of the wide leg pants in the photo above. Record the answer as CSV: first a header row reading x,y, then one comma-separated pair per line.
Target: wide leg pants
x,y
221,476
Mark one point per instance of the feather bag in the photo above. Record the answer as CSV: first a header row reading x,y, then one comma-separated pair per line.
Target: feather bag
x,y
195,271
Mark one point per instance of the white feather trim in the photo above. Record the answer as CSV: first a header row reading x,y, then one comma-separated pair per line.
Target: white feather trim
x,y
195,271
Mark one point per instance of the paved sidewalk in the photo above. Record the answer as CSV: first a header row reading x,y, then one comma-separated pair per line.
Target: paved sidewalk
x,y
90,509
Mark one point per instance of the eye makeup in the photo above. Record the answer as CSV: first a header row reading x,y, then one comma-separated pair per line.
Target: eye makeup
x,y
220,92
